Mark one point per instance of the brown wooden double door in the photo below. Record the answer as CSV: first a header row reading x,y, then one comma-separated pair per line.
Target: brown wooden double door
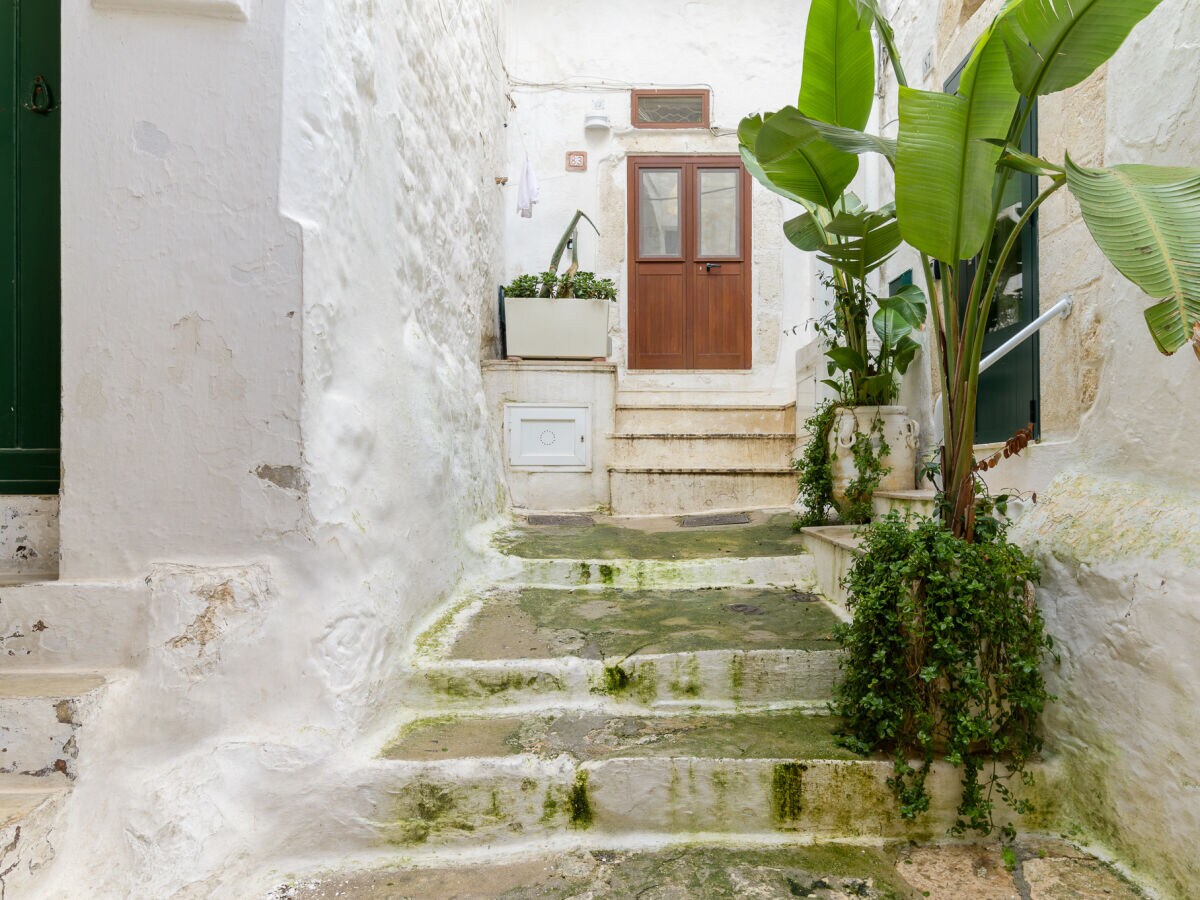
x,y
689,270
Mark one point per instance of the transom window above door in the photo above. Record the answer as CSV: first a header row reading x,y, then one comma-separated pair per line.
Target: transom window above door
x,y
669,108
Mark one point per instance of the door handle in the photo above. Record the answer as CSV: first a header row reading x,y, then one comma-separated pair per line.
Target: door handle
x,y
708,267
41,101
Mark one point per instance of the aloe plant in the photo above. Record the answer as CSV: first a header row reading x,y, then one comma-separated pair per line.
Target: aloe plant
x,y
953,158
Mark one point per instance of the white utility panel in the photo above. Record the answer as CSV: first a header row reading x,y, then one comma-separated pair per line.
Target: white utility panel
x,y
548,435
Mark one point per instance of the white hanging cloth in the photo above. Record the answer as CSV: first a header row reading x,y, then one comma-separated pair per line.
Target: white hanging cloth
x,y
528,191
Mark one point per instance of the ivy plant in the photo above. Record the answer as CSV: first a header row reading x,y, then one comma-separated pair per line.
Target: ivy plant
x,y
943,659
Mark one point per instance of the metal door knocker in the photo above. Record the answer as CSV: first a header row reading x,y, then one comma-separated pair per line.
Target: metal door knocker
x,y
42,99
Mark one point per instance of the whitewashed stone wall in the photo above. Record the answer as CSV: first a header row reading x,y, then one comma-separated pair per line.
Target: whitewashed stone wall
x,y
1115,526
281,243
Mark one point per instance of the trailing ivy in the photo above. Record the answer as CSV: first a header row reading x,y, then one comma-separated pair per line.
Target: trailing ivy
x,y
943,660
815,467
869,473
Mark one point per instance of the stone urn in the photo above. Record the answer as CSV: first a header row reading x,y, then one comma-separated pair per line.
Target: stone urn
x,y
901,434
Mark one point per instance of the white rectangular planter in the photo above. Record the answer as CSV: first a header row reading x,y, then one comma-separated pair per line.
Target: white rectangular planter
x,y
540,328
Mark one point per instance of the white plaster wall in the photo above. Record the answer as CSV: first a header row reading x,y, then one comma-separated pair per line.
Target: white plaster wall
x,y
563,56
1115,525
281,241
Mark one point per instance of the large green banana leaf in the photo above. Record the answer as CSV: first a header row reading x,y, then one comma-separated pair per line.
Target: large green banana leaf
x,y
748,130
805,232
795,160
789,128
1054,44
838,80
1146,219
945,167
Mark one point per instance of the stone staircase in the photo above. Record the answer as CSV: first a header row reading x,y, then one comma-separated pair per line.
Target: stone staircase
x,y
641,681
632,706
671,457
55,666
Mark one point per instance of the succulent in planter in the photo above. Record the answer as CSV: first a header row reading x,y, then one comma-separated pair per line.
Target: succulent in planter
x,y
579,286
537,326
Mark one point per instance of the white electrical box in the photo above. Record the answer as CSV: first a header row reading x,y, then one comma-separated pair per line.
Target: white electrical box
x,y
548,436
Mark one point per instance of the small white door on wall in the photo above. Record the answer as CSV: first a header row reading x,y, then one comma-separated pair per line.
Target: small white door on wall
x,y
553,436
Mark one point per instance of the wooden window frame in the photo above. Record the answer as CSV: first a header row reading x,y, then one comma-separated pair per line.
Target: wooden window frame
x,y
704,94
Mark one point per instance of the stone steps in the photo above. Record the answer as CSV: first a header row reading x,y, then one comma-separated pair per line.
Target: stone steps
x,y
643,417
658,491
765,772
617,693
522,644
833,548
697,866
921,502
40,716
722,450
23,795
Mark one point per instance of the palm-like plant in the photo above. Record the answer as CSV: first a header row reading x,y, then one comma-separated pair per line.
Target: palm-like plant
x,y
953,158
811,157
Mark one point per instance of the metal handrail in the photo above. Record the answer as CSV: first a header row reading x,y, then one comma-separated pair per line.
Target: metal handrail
x,y
1061,308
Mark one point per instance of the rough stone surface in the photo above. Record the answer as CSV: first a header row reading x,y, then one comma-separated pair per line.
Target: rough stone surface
x,y
767,535
28,538
588,736
690,872
612,623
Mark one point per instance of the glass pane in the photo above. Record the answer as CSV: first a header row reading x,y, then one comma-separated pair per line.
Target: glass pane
x,y
658,212
1008,302
719,207
660,109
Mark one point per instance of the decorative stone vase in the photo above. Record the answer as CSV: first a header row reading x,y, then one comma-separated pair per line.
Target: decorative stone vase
x,y
544,328
901,434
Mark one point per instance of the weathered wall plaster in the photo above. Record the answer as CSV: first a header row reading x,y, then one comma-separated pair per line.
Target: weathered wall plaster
x,y
562,57
276,288
28,537
1115,525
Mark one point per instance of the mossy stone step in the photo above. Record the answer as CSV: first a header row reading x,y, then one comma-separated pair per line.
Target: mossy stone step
x,y
540,623
703,677
460,780
584,736
1041,868
766,535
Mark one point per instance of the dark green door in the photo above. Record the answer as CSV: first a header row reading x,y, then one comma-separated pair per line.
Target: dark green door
x,y
1008,392
29,255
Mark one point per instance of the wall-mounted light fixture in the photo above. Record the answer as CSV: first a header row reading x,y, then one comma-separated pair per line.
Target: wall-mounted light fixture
x,y
596,118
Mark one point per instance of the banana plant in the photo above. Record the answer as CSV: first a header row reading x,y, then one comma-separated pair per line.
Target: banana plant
x,y
954,157
809,153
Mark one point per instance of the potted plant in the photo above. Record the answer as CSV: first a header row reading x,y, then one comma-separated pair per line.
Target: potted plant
x,y
552,316
944,652
861,442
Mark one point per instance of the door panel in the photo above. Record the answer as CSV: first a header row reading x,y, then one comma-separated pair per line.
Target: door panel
x,y
689,297
29,257
720,332
659,340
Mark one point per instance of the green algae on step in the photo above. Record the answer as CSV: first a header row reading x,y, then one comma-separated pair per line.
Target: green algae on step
x,y
784,735
765,536
542,623
712,873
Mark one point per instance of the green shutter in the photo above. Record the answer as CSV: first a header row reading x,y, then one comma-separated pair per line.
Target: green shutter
x,y
30,317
